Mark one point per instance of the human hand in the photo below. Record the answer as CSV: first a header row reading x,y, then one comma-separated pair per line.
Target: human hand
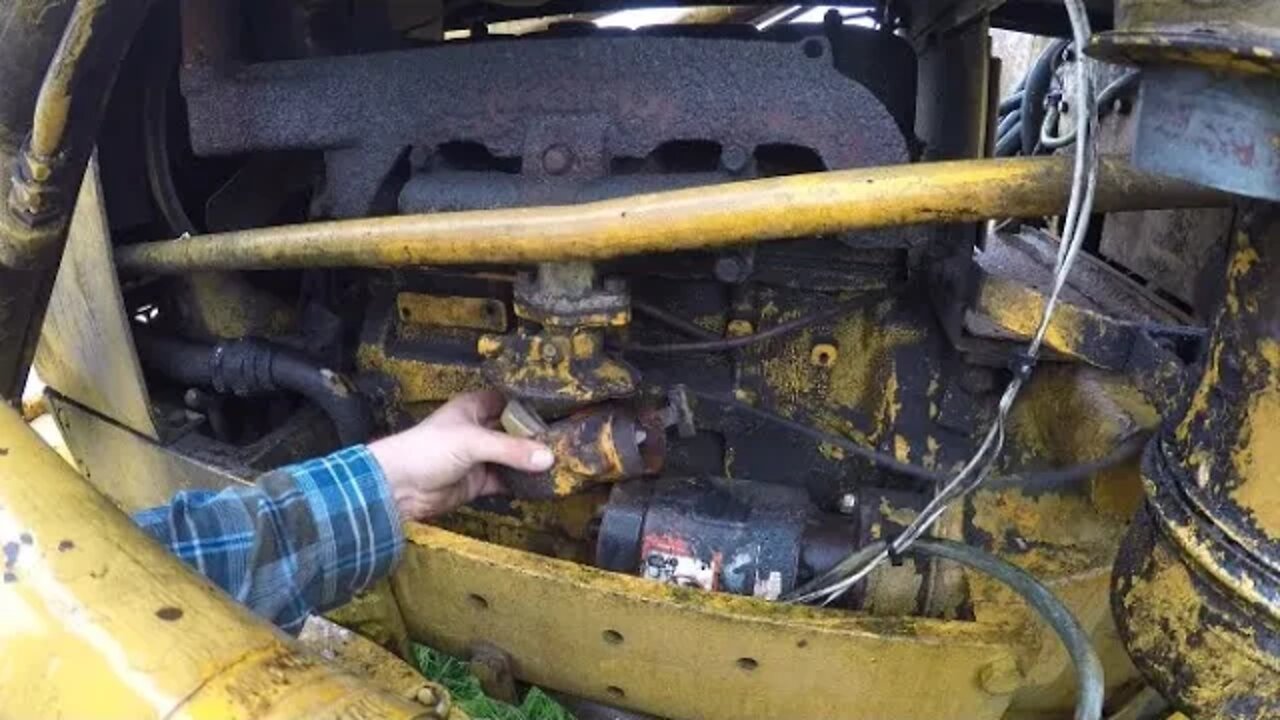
x,y
441,463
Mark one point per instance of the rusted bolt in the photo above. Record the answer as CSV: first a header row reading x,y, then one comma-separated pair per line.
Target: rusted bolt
x,y
1000,677
847,504
492,666
557,160
824,355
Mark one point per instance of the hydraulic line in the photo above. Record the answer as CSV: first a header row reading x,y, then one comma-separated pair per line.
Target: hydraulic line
x,y
1089,674
692,219
725,344
57,127
247,367
1033,96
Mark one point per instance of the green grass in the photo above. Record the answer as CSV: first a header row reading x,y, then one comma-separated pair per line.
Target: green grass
x,y
454,675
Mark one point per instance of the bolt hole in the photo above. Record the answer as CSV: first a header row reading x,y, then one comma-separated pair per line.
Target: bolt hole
x,y
824,358
748,664
616,692
477,601
813,48
613,637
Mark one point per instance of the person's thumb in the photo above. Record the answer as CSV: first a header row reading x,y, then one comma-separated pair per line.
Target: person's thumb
x,y
483,445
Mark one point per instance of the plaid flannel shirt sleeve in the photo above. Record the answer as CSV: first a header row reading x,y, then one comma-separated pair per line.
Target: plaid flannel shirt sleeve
x,y
302,539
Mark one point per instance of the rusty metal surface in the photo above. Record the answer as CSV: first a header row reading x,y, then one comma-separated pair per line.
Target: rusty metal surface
x,y
1218,129
556,370
761,93
600,445
568,115
1210,86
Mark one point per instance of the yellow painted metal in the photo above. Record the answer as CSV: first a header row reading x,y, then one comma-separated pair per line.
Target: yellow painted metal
x,y
690,654
96,621
1236,36
86,346
419,381
452,311
227,305
375,614
364,658
133,470
709,217
1065,536
1015,308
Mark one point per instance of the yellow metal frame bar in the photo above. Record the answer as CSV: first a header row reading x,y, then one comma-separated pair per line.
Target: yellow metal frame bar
x,y
698,218
689,654
97,621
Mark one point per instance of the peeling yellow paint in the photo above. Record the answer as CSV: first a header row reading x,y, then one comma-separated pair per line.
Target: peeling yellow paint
x,y
1257,457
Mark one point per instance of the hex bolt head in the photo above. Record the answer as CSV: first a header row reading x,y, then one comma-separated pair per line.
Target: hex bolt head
x,y
730,269
557,160
550,352
1001,677
734,158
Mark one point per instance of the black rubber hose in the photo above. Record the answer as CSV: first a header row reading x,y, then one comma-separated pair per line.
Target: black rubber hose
x,y
1009,104
1008,122
671,320
1033,95
1010,143
251,367
1089,675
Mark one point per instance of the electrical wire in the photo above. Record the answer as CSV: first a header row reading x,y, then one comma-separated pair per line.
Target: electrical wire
x,y
1075,227
875,457
673,321
725,344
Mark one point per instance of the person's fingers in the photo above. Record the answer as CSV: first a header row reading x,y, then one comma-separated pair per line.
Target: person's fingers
x,y
477,407
488,482
479,445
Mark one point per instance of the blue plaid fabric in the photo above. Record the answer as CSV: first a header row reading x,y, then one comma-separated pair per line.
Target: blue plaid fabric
x,y
302,539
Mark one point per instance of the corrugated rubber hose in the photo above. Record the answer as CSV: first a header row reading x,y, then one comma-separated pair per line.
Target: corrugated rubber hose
x,y
251,367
